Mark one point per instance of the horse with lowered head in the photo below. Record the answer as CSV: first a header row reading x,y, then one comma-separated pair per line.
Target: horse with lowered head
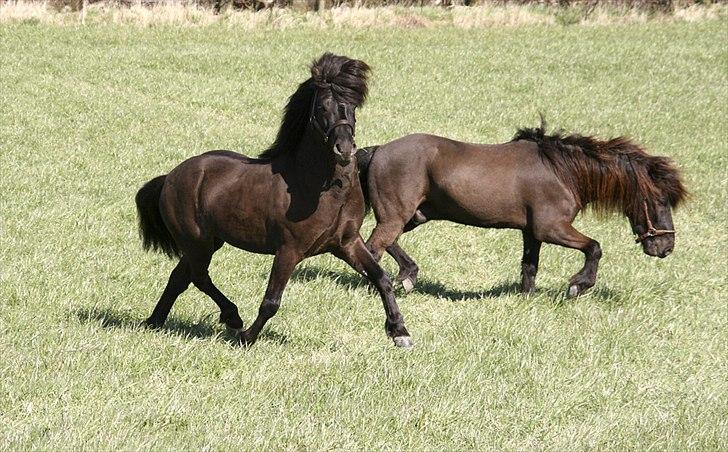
x,y
299,199
536,183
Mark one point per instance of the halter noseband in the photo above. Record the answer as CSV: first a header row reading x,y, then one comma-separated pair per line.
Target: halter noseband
x,y
651,231
317,125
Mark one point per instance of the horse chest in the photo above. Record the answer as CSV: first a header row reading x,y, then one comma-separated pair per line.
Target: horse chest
x,y
337,219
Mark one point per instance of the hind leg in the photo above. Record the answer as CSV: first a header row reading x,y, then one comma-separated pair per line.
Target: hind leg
x,y
383,236
408,269
199,260
565,234
386,233
178,282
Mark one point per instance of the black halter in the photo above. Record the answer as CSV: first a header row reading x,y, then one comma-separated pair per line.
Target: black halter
x,y
326,133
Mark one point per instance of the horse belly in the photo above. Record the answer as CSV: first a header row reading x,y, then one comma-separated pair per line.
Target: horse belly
x,y
248,236
483,202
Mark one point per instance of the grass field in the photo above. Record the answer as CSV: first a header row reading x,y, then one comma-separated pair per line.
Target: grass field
x,y
89,114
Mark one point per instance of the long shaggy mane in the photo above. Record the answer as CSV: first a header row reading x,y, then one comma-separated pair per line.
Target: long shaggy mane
x,y
611,175
342,78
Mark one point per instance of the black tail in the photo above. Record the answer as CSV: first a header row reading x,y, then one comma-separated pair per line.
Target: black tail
x,y
152,230
363,159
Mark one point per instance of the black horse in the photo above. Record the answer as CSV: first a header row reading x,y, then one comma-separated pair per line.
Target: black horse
x,y
299,199
536,183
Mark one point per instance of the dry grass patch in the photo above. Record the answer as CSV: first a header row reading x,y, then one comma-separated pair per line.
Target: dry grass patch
x,y
176,13
25,11
380,17
498,16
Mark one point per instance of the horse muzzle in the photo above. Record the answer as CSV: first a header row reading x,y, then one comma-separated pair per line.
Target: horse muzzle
x,y
343,158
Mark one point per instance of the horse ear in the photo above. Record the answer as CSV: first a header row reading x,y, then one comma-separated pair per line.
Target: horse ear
x,y
318,67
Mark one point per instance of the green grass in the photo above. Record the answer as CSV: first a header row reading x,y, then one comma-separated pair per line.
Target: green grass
x,y
89,114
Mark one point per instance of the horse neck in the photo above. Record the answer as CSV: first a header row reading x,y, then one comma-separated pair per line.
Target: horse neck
x,y
615,188
313,164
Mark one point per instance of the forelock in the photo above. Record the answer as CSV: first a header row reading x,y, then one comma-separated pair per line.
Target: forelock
x,y
346,78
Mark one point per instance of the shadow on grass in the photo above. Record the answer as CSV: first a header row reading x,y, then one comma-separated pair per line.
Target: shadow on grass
x,y
439,290
109,318
426,286
348,279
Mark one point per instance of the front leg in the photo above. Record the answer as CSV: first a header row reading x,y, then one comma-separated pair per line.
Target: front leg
x,y
357,255
529,262
283,264
564,234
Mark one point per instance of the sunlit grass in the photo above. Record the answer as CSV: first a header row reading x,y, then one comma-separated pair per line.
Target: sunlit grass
x,y
89,114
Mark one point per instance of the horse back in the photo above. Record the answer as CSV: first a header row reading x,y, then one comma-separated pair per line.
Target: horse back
x,y
481,185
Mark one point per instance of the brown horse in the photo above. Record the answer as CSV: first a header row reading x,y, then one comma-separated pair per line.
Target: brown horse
x,y
536,183
299,199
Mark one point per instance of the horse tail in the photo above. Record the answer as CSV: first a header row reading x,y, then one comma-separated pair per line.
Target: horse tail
x,y
363,159
152,230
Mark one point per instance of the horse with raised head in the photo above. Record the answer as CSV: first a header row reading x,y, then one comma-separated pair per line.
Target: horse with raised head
x,y
300,198
536,183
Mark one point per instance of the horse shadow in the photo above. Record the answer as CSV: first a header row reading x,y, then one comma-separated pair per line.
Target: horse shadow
x,y
110,318
439,290
424,285
345,279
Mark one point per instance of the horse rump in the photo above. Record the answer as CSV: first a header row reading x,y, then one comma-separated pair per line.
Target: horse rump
x,y
152,230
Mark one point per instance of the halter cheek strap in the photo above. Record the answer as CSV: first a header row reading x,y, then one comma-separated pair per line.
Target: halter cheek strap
x,y
651,231
327,132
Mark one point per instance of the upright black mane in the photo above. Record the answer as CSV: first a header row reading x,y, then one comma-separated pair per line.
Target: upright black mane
x,y
342,78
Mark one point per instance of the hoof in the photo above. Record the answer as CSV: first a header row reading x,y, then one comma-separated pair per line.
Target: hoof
x,y
403,342
245,342
408,285
231,320
573,291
